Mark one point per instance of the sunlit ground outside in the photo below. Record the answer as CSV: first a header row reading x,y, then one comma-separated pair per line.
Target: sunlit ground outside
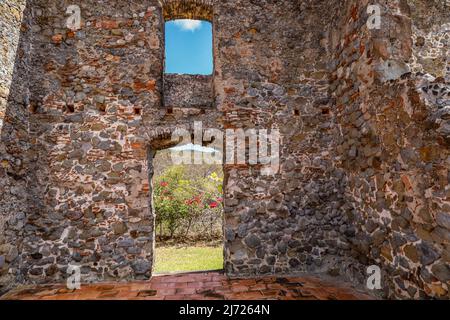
x,y
179,259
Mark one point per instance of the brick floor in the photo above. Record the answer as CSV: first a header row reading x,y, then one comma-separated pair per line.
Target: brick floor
x,y
198,286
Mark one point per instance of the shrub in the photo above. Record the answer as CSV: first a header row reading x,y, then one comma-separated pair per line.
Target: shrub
x,y
187,201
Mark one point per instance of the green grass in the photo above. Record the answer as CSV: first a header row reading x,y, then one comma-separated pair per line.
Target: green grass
x,y
179,259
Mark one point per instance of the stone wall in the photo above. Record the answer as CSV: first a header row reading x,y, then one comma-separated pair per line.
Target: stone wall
x,y
363,117
389,144
273,73
14,138
89,191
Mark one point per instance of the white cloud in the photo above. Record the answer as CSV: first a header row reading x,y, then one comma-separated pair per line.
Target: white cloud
x,y
188,25
194,147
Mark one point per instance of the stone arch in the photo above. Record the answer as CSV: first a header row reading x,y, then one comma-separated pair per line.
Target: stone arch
x,y
187,9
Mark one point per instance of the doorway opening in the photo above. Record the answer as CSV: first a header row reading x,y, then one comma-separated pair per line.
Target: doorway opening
x,y
188,206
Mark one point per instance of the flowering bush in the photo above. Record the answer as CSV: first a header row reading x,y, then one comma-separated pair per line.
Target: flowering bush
x,y
185,203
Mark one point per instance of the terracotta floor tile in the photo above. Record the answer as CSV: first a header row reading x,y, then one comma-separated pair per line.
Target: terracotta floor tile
x,y
176,285
239,288
186,290
194,285
274,286
159,285
166,291
223,289
218,277
212,284
259,286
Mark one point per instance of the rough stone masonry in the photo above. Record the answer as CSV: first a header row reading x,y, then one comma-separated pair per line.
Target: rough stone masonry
x,y
364,115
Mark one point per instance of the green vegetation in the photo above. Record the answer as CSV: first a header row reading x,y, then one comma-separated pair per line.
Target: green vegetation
x,y
188,202
179,259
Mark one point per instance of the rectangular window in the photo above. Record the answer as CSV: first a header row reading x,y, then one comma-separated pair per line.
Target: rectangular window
x,y
188,47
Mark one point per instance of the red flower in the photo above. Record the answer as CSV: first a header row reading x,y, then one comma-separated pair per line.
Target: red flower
x,y
213,204
164,184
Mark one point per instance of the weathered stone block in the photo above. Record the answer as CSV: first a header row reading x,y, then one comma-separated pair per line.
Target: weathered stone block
x,y
443,219
252,241
188,91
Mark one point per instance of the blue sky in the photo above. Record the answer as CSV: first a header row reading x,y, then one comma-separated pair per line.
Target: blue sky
x,y
189,47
